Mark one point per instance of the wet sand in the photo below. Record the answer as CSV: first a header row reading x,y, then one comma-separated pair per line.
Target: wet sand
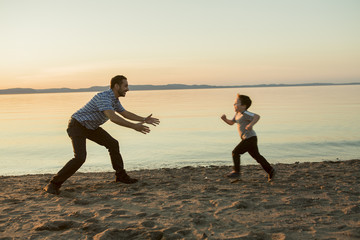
x,y
305,201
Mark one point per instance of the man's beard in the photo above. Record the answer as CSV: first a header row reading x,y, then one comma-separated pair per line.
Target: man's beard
x,y
120,93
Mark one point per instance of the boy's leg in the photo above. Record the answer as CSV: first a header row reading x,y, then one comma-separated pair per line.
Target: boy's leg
x,y
254,152
241,148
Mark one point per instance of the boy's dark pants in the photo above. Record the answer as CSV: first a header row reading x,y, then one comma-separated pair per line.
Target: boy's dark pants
x,y
249,145
78,135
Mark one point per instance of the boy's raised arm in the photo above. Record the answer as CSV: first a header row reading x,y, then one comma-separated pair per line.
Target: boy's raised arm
x,y
230,122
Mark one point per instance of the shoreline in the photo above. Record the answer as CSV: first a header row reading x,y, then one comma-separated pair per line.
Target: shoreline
x,y
310,200
111,171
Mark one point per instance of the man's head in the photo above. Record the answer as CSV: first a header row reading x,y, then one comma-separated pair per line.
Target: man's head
x,y
119,85
242,103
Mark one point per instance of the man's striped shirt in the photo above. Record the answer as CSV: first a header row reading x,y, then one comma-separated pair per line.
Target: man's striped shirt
x,y
92,114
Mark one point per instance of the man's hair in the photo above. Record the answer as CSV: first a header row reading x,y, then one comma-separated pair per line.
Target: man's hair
x,y
117,80
245,100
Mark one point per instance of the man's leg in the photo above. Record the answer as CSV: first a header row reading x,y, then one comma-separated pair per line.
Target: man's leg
x,y
254,152
101,137
79,146
77,133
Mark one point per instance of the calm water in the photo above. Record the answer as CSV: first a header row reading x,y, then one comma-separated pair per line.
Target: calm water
x,y
297,124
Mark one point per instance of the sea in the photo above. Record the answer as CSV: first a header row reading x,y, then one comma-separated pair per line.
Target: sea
x,y
297,124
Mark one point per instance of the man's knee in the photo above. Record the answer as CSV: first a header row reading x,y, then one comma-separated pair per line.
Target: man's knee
x,y
80,157
113,144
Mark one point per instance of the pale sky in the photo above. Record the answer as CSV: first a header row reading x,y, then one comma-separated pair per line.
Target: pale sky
x,y
83,43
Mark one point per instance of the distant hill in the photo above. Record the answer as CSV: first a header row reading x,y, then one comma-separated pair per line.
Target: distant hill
x,y
157,87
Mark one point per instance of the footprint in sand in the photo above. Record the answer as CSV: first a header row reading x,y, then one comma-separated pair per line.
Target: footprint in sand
x,y
56,225
148,224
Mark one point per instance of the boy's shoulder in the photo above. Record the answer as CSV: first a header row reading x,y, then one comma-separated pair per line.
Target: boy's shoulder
x,y
247,113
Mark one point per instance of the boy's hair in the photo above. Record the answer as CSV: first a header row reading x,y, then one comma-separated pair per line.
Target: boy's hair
x,y
117,80
245,100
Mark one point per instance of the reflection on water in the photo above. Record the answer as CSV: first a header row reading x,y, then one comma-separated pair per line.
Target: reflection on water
x,y
297,124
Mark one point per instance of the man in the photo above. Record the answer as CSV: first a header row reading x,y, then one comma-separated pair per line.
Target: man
x,y
85,124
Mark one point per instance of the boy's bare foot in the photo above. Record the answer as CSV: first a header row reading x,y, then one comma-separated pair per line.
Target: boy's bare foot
x,y
271,175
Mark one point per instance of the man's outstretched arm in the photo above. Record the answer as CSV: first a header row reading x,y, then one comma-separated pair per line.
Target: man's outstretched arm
x,y
132,116
122,122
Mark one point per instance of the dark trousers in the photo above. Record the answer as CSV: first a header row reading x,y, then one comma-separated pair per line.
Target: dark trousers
x,y
78,135
249,145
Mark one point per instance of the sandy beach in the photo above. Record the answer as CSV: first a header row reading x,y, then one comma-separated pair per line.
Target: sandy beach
x,y
305,201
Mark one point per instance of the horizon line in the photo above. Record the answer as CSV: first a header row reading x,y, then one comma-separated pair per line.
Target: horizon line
x,y
172,86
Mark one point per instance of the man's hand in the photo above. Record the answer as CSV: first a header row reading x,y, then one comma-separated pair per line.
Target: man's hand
x,y
141,128
223,117
151,120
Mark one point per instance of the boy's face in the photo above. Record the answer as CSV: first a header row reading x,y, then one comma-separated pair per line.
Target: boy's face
x,y
237,105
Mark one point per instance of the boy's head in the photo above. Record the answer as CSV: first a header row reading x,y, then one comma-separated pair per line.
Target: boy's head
x,y
242,102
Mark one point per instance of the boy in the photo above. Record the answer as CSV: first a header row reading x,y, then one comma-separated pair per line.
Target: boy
x,y
245,121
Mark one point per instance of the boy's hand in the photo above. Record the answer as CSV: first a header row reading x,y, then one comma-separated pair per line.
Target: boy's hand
x,y
248,127
230,122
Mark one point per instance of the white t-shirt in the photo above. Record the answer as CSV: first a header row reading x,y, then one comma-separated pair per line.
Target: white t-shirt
x,y
242,120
